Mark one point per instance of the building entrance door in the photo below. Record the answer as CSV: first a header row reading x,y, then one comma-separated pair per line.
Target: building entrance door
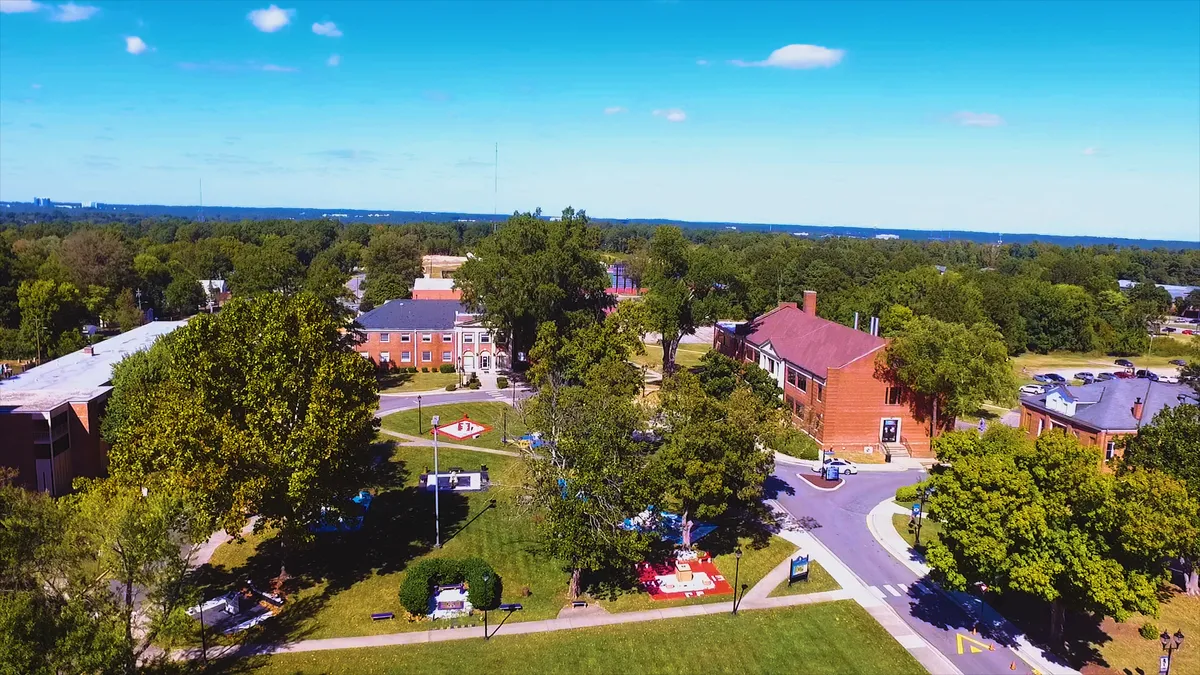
x,y
890,432
468,363
485,361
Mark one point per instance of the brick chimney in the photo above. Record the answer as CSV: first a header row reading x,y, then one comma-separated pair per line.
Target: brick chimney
x,y
1137,409
810,303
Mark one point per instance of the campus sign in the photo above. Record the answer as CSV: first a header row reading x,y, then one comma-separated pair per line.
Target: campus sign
x,y
463,429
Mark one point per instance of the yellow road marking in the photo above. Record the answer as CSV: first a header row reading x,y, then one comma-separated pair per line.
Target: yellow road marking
x,y
975,645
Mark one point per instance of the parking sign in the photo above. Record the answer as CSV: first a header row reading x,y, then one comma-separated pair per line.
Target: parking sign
x,y
1164,664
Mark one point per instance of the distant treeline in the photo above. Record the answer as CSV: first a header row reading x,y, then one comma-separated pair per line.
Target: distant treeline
x,y
61,271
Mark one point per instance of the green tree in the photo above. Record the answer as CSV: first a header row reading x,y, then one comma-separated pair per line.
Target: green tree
x,y
1044,519
594,354
534,270
951,367
48,310
720,376
1171,444
684,288
184,295
264,408
587,478
125,313
393,260
269,268
97,258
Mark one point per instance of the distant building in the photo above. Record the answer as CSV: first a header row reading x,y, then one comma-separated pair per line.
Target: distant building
x,y
216,291
50,415
1177,292
426,288
429,334
442,266
1099,414
827,374
887,236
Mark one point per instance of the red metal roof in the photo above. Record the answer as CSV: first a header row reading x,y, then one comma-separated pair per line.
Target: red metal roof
x,y
810,342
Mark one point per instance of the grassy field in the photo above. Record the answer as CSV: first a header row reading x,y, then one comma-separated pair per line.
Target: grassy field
x,y
829,638
686,356
1129,652
494,414
930,529
818,582
396,383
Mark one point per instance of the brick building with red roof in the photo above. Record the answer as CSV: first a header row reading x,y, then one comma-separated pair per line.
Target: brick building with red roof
x,y
827,373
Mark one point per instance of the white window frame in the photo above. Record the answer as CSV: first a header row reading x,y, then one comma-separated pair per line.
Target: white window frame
x,y
447,357
484,339
385,337
385,357
405,337
447,337
468,338
426,337
1110,450
427,357
405,357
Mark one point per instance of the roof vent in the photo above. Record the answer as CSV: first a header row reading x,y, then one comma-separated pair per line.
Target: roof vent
x,y
1137,409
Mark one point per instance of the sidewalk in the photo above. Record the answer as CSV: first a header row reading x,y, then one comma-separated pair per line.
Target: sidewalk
x,y
901,464
416,441
879,522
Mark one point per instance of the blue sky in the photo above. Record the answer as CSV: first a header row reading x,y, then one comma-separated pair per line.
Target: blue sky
x,y
1075,118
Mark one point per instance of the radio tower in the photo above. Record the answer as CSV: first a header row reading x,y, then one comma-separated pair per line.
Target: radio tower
x,y
202,200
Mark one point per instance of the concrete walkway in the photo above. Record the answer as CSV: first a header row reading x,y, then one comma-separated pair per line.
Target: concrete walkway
x,y
900,464
417,441
879,522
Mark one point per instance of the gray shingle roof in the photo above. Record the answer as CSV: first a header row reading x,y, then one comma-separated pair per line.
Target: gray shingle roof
x,y
1109,405
412,315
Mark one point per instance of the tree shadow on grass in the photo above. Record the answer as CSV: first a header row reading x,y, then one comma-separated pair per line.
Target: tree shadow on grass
x,y
1082,633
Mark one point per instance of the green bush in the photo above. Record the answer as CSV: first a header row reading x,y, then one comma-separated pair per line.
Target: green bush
x,y
412,369
451,387
473,384
502,382
795,443
422,576
446,368
1149,631
906,493
424,369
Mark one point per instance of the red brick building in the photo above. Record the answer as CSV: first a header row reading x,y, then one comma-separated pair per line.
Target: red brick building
x,y
827,373
429,334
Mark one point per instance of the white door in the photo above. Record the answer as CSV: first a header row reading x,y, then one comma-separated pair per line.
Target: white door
x,y
468,363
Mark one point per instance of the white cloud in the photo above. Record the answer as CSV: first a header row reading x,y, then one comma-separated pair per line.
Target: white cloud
x,y
614,110
271,19
71,12
702,62
797,57
333,61
19,6
328,29
671,114
273,68
967,118
135,45
1091,151
35,85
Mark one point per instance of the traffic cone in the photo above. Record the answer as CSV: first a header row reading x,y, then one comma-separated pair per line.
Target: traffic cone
x,y
991,648
1012,666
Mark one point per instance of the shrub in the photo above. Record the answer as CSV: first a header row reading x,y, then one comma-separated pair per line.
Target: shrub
x,y
412,369
906,493
795,443
502,382
422,576
424,369
451,387
1148,631
446,368
473,384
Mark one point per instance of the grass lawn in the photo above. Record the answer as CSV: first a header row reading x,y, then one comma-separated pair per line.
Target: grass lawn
x,y
818,582
829,638
930,529
342,579
395,383
686,356
757,560
1130,652
491,413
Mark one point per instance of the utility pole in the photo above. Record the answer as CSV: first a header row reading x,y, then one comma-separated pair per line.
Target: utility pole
x,y
495,185
437,485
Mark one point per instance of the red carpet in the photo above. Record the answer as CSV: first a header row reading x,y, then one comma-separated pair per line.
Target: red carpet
x,y
650,577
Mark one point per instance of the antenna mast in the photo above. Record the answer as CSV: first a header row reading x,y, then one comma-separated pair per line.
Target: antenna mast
x,y
202,200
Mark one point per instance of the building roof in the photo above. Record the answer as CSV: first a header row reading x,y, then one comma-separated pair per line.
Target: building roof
x,y
412,315
432,284
1176,292
78,375
808,341
1108,405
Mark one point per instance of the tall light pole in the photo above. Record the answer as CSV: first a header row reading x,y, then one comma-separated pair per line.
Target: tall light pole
x,y
1170,644
437,486
737,568
419,428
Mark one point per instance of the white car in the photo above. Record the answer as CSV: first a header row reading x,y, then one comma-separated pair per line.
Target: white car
x,y
844,466
1032,389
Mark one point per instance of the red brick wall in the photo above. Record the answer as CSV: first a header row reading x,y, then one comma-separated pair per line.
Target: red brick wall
x,y
17,449
1098,439
437,294
396,348
89,452
856,405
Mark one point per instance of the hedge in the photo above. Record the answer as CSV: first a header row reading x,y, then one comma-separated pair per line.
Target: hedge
x,y
502,382
446,368
451,387
421,577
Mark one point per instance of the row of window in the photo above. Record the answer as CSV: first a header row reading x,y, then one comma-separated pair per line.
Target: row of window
x,y
406,357
800,381
1110,448
467,338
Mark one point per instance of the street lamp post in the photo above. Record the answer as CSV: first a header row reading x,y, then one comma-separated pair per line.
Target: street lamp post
x,y
437,486
486,578
737,568
419,429
504,434
1170,644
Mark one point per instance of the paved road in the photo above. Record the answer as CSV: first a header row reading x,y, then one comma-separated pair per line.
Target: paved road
x,y
390,403
839,520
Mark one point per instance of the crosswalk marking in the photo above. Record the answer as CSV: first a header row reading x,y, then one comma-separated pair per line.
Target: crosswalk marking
x,y
903,587
878,592
891,590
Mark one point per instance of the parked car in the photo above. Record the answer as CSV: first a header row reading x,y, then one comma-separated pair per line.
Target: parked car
x,y
1126,363
1147,375
1032,389
1178,362
1123,375
1085,375
1187,331
1040,378
1169,379
1054,377
1168,329
843,465
1104,377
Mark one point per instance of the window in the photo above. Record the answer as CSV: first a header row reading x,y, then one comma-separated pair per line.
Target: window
x,y
820,392
426,357
1111,450
1041,425
801,381
385,357
468,338
405,357
448,337
446,357
484,338
405,337
385,337
771,366
365,355
893,395
426,337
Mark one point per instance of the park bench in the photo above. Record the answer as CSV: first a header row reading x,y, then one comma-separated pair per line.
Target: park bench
x,y
578,604
382,616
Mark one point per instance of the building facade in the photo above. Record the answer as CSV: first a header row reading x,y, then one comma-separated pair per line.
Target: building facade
x,y
429,334
429,288
829,381
1099,414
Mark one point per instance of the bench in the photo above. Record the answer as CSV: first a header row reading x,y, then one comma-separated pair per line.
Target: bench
x,y
578,604
382,616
